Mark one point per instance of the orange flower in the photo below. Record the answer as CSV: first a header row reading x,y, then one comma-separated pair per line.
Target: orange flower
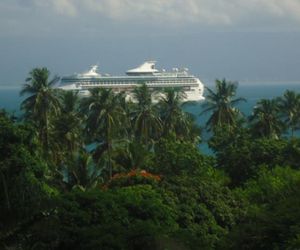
x,y
127,177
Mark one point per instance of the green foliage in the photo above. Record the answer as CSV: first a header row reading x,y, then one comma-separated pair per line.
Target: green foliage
x,y
273,218
132,155
105,115
174,157
160,191
24,191
67,134
291,153
146,123
265,120
241,156
206,209
126,218
289,106
221,104
174,120
106,120
171,112
41,104
81,172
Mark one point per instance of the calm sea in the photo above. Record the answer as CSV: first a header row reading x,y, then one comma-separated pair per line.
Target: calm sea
x,y
252,91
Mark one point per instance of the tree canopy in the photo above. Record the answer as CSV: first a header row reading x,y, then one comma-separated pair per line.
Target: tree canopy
x,y
100,172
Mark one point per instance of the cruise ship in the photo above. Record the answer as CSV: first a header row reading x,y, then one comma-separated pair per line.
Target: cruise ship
x,y
146,73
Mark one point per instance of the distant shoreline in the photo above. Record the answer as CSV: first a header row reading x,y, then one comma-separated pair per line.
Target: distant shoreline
x,y
268,82
256,82
205,82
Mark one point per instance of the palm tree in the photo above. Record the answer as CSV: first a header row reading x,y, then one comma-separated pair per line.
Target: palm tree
x,y
170,104
70,101
42,103
147,124
81,171
188,129
265,119
289,106
174,119
106,118
67,132
221,103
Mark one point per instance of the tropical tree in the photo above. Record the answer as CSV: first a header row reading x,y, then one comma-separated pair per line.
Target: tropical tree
x,y
106,119
137,215
221,103
174,118
24,187
265,119
68,126
289,106
132,155
271,219
81,171
147,125
41,103
70,101
170,105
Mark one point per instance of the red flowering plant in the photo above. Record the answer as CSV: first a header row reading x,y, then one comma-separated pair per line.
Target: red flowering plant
x,y
134,177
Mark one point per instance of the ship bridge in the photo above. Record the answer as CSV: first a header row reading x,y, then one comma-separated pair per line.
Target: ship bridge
x,y
147,68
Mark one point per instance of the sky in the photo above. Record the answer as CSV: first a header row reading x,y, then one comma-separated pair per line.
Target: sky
x,y
240,40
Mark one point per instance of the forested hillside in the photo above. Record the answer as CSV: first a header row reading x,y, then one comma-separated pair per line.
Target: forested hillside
x,y
97,172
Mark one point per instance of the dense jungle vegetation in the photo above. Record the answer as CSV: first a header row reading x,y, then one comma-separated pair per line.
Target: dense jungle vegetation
x,y
100,173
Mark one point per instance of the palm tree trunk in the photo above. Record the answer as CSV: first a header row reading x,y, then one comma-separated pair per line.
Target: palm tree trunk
x,y
46,132
5,190
109,148
109,160
43,134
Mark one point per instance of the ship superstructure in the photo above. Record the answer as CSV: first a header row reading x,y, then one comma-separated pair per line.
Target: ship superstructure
x,y
146,73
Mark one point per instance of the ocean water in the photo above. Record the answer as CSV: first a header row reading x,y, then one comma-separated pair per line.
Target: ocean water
x,y
251,91
10,98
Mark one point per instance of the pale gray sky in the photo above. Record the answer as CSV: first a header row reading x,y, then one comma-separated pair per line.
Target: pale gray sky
x,y
236,39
